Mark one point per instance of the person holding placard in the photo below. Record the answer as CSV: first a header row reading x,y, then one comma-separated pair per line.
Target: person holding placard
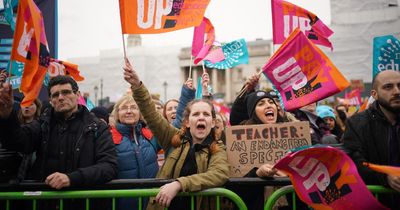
x,y
256,107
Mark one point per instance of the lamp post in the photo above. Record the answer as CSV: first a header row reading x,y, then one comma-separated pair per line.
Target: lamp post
x,y
101,92
165,84
96,90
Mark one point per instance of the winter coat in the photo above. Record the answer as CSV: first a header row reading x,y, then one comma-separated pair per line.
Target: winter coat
x,y
137,157
84,148
212,169
80,147
366,140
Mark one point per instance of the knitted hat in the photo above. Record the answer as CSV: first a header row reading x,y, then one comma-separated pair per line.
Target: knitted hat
x,y
101,113
253,98
325,111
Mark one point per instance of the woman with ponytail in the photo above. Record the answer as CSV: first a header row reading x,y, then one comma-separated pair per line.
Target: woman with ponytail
x,y
197,161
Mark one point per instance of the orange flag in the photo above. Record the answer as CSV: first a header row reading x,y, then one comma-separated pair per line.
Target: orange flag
x,y
151,16
30,47
389,170
58,67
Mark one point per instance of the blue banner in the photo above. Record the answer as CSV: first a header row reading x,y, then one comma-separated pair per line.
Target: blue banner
x,y
235,53
8,13
386,54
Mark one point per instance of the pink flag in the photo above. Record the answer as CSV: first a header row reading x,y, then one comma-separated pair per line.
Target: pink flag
x,y
286,17
302,73
215,55
326,178
81,101
224,110
354,97
199,48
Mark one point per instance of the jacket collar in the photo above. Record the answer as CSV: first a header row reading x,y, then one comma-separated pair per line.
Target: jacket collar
x,y
197,147
378,114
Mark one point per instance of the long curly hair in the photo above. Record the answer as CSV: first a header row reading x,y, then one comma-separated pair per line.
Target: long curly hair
x,y
178,138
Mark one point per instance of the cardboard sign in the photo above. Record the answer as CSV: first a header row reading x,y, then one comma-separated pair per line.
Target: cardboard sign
x,y
250,146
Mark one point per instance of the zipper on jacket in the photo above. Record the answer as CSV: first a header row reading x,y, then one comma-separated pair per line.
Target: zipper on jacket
x,y
77,147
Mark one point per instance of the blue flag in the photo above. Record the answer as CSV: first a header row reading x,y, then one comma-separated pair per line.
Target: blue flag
x,y
199,91
89,104
8,13
235,53
386,54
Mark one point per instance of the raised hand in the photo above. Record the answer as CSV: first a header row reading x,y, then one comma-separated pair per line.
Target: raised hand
x,y
130,75
205,79
6,100
189,83
3,76
252,82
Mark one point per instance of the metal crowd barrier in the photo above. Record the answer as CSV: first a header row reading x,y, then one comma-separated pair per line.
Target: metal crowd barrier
x,y
144,188
114,194
270,203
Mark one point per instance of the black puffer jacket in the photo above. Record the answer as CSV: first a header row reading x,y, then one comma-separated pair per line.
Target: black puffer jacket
x,y
80,147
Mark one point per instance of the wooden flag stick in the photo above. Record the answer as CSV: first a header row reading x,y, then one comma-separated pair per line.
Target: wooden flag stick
x,y
123,44
190,67
204,69
244,88
9,73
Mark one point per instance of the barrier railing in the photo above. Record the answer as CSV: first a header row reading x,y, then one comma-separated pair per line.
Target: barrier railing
x,y
38,191
270,203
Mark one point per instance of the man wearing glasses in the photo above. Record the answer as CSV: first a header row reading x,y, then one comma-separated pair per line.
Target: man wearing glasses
x,y
73,147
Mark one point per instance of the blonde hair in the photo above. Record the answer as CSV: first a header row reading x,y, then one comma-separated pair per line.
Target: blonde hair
x,y
125,99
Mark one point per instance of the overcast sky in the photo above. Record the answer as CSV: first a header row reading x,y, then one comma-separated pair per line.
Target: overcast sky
x,y
88,26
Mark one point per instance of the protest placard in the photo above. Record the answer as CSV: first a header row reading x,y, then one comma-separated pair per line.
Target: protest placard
x,y
251,146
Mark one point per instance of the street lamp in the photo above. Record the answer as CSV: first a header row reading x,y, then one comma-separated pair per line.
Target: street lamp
x,y
96,90
165,84
101,92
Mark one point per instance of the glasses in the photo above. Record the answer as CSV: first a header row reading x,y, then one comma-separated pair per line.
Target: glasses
x,y
61,92
126,108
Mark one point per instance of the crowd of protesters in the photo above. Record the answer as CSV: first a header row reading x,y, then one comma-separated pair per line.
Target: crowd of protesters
x,y
65,145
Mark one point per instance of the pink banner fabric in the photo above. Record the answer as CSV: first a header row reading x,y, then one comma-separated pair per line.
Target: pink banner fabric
x,y
200,49
223,110
354,97
215,55
286,17
302,73
81,101
326,178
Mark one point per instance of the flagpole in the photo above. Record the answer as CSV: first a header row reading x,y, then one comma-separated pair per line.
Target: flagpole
x,y
123,43
190,67
9,73
204,69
